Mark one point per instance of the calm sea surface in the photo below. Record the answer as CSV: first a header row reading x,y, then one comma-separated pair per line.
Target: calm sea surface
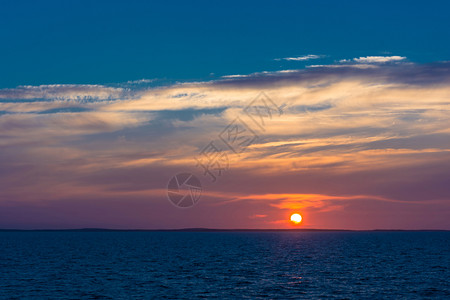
x,y
130,265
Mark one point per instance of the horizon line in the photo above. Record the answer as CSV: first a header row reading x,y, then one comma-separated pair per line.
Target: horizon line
x,y
200,229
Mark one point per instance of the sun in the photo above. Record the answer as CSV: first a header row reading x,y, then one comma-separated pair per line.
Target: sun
x,y
296,218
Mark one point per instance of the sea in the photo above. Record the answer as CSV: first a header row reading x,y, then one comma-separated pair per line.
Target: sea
x,y
224,265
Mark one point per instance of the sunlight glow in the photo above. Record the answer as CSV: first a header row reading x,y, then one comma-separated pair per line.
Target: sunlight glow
x,y
296,218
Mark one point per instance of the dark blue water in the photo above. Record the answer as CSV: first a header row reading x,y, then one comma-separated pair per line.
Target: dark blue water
x,y
130,265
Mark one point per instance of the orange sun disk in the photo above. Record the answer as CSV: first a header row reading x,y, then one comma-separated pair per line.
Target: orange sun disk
x,y
296,218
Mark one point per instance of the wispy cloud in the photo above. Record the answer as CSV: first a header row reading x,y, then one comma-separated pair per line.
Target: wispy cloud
x,y
354,66
141,81
79,92
301,58
374,59
235,76
257,216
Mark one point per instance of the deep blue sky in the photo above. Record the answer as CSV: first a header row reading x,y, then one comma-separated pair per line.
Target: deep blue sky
x,y
97,42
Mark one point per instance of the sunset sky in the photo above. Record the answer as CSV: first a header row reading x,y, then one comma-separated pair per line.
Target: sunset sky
x,y
101,104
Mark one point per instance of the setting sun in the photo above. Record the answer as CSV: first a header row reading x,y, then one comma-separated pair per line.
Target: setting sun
x,y
296,218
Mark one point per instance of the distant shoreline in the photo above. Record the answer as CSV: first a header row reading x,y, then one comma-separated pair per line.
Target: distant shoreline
x,y
220,230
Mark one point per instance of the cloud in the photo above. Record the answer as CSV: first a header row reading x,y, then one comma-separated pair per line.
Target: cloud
x,y
319,202
257,216
374,59
235,76
347,135
354,66
141,81
301,58
65,92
